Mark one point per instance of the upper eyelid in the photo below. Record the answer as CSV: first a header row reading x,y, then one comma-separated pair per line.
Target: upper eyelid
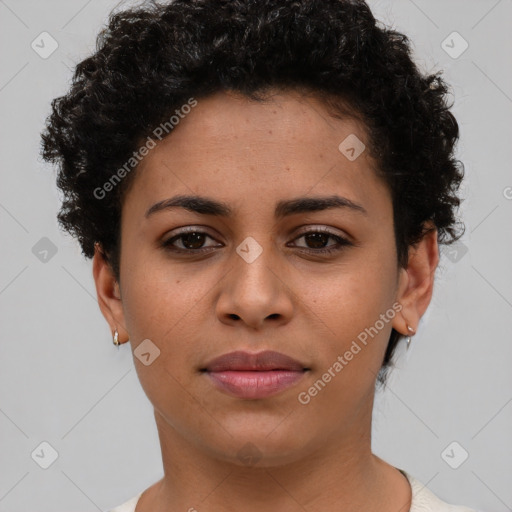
x,y
321,228
302,229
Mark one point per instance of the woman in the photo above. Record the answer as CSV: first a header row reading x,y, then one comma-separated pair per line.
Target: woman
x,y
262,186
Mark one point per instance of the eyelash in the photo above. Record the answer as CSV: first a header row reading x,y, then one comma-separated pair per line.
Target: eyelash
x,y
341,242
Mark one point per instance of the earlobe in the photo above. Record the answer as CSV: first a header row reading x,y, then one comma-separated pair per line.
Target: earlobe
x,y
416,282
108,293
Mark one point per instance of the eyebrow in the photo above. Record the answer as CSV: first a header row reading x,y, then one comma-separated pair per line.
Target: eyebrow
x,y
284,208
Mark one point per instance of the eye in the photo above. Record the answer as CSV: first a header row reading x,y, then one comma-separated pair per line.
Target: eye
x,y
319,237
191,240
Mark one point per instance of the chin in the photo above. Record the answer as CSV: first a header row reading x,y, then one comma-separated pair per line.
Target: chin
x,y
264,448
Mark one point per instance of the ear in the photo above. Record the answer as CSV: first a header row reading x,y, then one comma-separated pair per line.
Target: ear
x,y
416,282
109,294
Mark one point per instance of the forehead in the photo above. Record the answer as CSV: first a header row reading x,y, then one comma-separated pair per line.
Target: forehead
x,y
234,147
280,115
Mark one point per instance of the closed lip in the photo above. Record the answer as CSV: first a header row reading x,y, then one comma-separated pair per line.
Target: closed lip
x,y
267,360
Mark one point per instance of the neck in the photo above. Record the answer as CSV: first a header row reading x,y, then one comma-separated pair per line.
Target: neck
x,y
339,474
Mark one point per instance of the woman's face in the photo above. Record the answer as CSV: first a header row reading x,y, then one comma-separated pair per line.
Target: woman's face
x,y
261,282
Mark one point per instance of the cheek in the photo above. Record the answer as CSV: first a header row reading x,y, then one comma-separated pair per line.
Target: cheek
x,y
156,294
167,317
351,303
161,307
166,304
350,354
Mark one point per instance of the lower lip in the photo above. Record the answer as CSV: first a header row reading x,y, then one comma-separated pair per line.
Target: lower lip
x,y
255,384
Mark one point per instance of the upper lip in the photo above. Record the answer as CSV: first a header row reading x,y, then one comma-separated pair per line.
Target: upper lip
x,y
260,361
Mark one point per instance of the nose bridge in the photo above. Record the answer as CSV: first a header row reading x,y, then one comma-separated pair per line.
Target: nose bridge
x,y
255,290
253,258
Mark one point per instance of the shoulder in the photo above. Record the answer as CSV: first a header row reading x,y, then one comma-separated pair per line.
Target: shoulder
x,y
128,506
423,500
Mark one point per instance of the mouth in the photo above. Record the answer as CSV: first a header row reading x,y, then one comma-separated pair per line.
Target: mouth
x,y
252,376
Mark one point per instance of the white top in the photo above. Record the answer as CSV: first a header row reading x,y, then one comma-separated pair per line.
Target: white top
x,y
422,500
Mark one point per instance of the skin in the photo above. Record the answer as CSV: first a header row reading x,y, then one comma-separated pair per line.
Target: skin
x,y
194,308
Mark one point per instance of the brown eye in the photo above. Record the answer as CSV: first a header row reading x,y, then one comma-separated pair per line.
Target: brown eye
x,y
192,240
189,241
316,241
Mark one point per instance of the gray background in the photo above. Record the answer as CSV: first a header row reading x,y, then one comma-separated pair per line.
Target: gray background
x,y
63,382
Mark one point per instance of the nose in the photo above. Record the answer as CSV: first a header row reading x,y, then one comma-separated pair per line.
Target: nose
x,y
255,293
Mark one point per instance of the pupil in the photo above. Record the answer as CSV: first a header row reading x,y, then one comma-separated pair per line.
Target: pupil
x,y
197,243
318,238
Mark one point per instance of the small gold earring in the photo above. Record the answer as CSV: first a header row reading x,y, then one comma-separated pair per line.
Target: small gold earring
x,y
412,332
116,339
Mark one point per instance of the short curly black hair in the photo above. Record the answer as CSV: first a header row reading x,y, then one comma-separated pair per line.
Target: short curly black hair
x,y
151,59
